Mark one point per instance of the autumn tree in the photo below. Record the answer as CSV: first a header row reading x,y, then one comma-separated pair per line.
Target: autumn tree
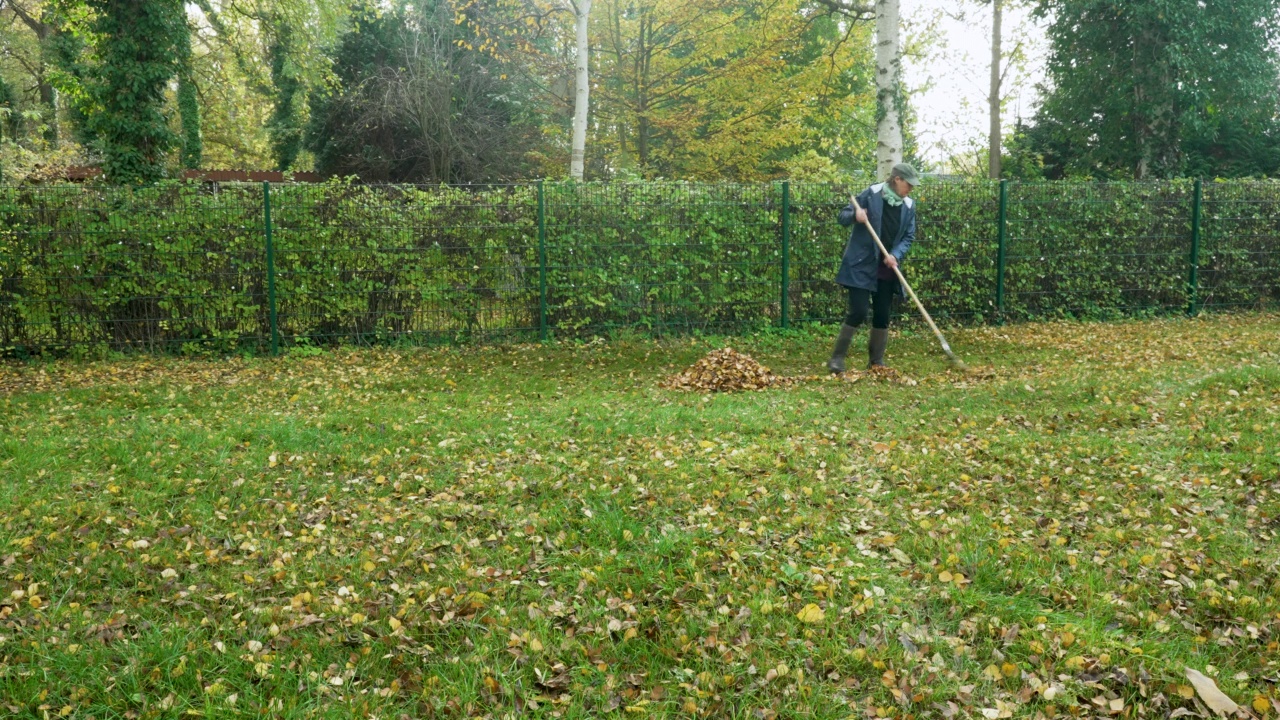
x,y
724,89
29,52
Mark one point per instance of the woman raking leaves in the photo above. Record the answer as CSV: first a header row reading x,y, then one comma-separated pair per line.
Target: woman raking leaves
x,y
865,271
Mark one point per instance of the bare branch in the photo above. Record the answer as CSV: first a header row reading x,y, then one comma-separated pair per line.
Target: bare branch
x,y
847,8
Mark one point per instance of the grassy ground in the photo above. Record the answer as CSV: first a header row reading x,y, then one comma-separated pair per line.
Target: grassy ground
x,y
543,531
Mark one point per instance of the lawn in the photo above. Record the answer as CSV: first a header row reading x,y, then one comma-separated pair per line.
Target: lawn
x,y
544,531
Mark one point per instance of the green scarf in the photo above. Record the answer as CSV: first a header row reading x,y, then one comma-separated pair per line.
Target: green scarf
x,y
891,197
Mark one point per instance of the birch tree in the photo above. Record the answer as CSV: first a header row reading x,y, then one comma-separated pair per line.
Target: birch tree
x,y
581,11
888,88
993,96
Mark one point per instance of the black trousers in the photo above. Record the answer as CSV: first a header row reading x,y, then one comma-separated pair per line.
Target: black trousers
x,y
881,302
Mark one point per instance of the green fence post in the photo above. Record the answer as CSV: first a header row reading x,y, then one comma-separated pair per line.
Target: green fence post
x,y
1193,276
786,253
271,268
542,263
1002,226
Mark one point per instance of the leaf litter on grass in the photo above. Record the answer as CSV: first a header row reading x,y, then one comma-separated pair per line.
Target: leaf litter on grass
x,y
355,534
727,370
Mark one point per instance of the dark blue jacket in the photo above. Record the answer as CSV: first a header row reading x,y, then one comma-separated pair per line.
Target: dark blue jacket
x,y
861,256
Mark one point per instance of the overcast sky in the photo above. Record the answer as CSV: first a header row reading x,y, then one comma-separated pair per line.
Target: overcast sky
x,y
951,76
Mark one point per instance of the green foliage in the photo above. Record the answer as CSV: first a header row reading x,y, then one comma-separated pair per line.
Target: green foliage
x,y
181,265
189,110
1160,88
10,113
117,69
145,267
285,125
189,107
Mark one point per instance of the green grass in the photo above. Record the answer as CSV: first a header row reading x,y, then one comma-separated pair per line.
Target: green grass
x,y
544,531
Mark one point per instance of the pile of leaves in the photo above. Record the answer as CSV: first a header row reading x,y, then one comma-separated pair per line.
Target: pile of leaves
x,y
726,370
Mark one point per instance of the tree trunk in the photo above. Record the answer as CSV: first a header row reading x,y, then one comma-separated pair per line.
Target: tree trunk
x,y
993,99
189,112
48,95
49,98
581,10
642,91
888,67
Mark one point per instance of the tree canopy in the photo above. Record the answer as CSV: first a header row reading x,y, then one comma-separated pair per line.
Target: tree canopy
x,y
1160,88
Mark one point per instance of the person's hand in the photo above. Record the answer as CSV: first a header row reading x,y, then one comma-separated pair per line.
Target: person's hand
x,y
891,261
862,215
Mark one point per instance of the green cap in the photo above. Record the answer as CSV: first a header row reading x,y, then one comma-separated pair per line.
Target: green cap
x,y
906,172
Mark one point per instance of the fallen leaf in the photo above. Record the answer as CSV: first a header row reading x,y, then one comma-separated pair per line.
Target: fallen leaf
x,y
811,614
1210,694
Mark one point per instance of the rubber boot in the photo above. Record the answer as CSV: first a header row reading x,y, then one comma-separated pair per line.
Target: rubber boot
x,y
836,363
876,344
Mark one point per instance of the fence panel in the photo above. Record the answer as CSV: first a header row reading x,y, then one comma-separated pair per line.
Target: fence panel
x,y
166,268
1097,249
1240,245
662,257
817,242
420,264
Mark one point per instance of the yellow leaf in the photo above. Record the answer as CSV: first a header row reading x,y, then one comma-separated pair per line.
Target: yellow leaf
x,y
811,614
1186,691
535,645
630,633
1068,639
357,618
944,576
394,623
368,566
1009,669
1261,705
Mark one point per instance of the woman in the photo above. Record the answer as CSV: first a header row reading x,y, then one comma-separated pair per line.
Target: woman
x,y
865,271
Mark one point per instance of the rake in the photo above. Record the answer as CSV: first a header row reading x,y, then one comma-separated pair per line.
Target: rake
x,y
955,361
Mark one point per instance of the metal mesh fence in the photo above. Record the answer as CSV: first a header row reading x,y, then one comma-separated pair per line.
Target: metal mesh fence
x,y
670,257
186,267
150,268
1104,248
1239,255
374,263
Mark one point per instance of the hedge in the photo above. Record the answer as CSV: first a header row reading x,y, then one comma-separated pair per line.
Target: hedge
x,y
183,266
